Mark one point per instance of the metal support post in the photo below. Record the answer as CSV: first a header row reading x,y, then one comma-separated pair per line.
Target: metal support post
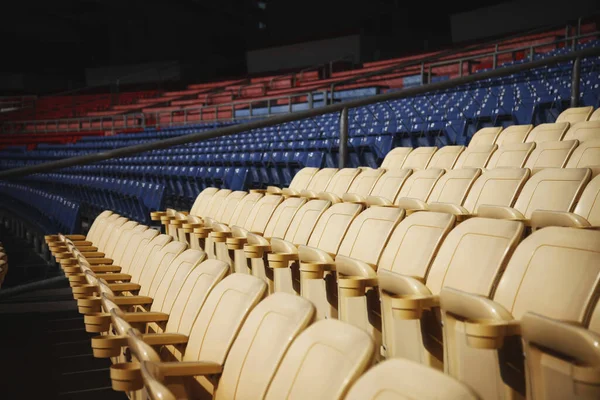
x,y
575,82
343,156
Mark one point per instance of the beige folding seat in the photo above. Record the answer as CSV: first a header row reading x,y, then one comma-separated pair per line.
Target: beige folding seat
x,y
361,186
92,240
575,114
396,158
326,235
551,189
297,232
451,187
207,207
553,272
318,183
385,190
595,116
513,134
418,185
485,136
562,358
198,207
550,155
300,182
583,131
401,379
338,185
513,155
586,155
475,156
364,241
410,283
212,334
419,158
97,224
446,157
495,187
585,215
547,132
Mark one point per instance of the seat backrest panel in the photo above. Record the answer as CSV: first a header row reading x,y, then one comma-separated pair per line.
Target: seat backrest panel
x,y
498,187
446,157
303,178
513,134
485,136
419,158
332,226
321,179
454,186
396,157
420,184
305,221
282,217
550,155
547,132
511,155
583,131
575,114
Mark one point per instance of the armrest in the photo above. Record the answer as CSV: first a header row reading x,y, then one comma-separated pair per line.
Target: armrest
x,y
411,204
239,239
132,300
256,247
164,339
487,323
499,212
314,262
409,296
282,252
289,192
238,231
105,268
166,219
189,227
309,194
543,218
260,191
114,277
150,316
449,208
354,198
573,341
124,287
274,190
156,215
220,237
202,232
88,249
187,368
332,197
354,276
100,261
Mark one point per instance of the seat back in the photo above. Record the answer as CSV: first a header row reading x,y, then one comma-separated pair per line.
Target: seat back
x,y
475,156
228,207
109,231
595,116
587,154
341,181
263,340
389,184
215,203
282,217
136,249
261,213
321,179
243,209
513,134
511,155
498,187
156,267
364,183
418,382
332,226
302,178
126,243
98,222
322,362
174,278
547,132
454,186
419,158
575,114
583,131
446,157
116,238
550,155
192,295
420,184
552,189
588,205
485,136
554,272
305,220
202,200
396,157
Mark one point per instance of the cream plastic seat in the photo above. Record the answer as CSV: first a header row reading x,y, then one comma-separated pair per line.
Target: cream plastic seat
x,y
102,235
595,116
338,185
485,137
513,155
419,158
475,156
416,186
550,155
326,235
263,340
452,187
299,182
547,132
295,227
385,190
401,379
583,131
553,272
56,242
562,358
575,114
361,187
585,215
318,183
198,208
495,187
446,157
513,134
551,189
211,336
364,241
586,155
396,158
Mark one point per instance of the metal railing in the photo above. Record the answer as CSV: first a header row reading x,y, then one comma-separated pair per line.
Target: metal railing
x,y
337,107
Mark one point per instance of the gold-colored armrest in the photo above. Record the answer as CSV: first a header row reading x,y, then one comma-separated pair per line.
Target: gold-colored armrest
x,y
166,219
124,287
355,286
114,277
105,268
412,306
260,191
256,250
281,260
486,334
188,227
202,232
99,261
309,194
543,218
460,212
332,197
274,190
132,300
164,339
288,192
150,316
500,212
188,368
220,237
379,201
236,243
354,198
156,215
411,204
